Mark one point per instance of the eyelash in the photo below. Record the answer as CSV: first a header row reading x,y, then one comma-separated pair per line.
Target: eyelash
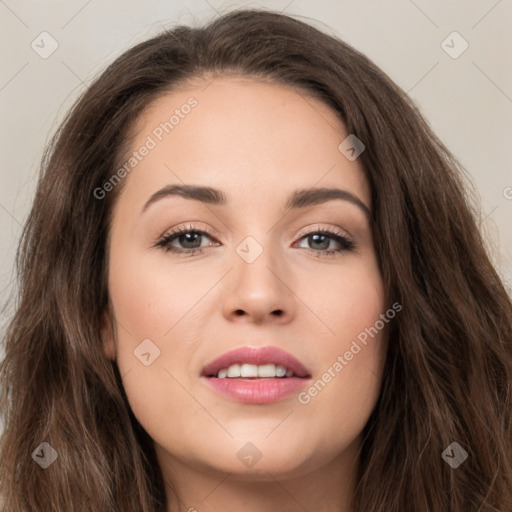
x,y
164,243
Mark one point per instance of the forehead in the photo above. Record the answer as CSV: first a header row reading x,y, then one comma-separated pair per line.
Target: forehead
x,y
241,134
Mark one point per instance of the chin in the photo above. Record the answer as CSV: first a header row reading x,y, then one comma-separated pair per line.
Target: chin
x,y
268,468
261,460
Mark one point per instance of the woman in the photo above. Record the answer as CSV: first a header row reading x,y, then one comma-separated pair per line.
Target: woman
x,y
148,370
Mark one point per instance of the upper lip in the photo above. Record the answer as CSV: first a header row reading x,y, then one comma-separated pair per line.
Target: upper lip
x,y
258,356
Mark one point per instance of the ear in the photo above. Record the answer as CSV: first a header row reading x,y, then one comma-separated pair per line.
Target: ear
x,y
108,336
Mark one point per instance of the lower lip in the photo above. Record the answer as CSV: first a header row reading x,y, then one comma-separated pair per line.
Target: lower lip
x,y
257,391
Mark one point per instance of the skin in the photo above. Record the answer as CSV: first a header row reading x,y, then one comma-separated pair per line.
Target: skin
x,y
257,142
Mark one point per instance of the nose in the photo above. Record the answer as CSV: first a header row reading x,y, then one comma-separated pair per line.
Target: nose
x,y
259,291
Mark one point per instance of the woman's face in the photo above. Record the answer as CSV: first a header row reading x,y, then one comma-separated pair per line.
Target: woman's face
x,y
265,274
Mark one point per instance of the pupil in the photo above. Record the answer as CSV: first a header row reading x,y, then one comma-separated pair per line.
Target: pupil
x,y
188,237
326,239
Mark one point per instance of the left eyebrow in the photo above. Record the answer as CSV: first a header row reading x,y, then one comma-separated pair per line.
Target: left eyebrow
x,y
301,198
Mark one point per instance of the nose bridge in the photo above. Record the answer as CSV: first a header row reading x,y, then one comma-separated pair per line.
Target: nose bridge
x,y
259,288
258,244
255,258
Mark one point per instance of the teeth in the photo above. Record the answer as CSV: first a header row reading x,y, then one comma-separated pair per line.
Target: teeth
x,y
280,371
234,370
248,370
252,370
267,370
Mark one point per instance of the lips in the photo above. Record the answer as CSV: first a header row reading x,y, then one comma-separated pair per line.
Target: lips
x,y
258,390
256,356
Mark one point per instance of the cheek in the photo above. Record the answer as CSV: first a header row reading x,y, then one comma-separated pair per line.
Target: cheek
x,y
348,374
148,303
345,300
150,299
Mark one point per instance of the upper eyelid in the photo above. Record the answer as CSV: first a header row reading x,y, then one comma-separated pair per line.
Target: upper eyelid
x,y
204,232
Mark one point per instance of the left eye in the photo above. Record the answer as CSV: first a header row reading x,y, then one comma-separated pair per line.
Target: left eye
x,y
324,239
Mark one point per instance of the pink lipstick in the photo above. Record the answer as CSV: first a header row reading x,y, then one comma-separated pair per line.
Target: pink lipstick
x,y
256,375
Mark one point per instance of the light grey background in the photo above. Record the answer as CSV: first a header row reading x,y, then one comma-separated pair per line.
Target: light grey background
x,y
467,100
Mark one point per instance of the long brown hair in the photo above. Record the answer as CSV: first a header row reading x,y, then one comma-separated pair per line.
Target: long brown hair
x,y
448,370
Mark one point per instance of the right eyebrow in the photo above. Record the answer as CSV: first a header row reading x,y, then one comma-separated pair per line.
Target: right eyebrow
x,y
199,193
